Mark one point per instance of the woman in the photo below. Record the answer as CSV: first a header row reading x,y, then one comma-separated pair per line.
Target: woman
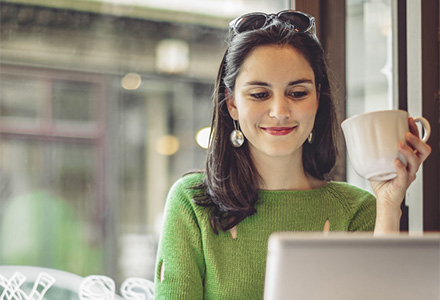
x,y
272,147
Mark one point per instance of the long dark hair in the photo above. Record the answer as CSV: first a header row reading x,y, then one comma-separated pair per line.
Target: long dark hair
x,y
231,181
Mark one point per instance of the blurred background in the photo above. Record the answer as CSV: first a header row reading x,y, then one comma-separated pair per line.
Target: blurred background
x,y
104,104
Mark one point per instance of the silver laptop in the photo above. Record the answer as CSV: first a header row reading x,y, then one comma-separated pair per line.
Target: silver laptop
x,y
352,267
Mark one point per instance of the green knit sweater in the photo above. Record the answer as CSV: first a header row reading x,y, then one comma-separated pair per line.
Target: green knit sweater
x,y
195,263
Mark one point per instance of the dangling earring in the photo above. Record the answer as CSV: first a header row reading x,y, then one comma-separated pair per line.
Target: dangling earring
x,y
311,137
236,137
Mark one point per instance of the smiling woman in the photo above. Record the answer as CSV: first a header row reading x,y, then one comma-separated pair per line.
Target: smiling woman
x,y
273,83
275,96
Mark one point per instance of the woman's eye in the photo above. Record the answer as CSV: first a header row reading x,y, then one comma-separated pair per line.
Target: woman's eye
x,y
298,95
260,96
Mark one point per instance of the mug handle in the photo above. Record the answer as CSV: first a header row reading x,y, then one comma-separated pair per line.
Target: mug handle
x,y
426,127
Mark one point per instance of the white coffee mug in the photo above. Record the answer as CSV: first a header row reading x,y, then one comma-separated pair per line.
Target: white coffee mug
x,y
373,141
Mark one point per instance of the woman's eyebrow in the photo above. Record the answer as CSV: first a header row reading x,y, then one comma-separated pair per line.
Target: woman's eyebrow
x,y
295,82
301,81
259,83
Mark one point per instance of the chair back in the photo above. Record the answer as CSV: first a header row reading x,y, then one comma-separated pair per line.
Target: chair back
x,y
37,283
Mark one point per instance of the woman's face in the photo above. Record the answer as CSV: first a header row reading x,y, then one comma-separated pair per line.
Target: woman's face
x,y
275,101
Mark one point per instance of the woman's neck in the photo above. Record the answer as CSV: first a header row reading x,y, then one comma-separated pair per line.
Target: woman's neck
x,y
284,173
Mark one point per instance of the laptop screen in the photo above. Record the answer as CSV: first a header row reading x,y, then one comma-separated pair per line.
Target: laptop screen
x,y
351,266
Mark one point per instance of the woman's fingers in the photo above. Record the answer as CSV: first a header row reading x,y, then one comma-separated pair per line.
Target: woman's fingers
x,y
420,148
415,152
413,162
404,176
413,127
413,139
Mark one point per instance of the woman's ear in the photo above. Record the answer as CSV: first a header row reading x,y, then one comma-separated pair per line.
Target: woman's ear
x,y
230,103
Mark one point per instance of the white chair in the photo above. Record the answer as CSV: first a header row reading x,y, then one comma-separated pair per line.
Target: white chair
x,y
36,283
137,289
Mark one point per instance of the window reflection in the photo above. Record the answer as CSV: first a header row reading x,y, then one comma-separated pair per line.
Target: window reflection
x,y
100,104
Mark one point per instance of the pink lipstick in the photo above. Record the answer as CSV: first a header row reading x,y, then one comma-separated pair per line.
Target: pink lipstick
x,y
278,131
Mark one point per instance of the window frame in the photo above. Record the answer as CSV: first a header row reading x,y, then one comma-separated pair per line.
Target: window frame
x,y
330,17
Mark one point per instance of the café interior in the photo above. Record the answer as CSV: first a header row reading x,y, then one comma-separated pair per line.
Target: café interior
x,y
104,104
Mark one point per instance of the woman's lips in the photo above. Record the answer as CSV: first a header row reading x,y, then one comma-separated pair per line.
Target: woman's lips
x,y
278,130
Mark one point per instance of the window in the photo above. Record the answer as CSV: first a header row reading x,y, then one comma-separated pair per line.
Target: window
x,y
100,104
369,63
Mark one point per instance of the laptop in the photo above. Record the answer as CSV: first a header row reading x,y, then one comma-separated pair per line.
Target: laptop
x,y
352,267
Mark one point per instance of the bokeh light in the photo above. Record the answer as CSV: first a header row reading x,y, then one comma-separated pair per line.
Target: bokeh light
x,y
167,145
202,137
131,81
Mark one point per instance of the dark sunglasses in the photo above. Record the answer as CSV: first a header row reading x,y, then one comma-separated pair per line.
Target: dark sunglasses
x,y
299,22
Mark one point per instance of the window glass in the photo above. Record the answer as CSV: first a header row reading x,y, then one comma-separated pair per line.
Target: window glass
x,y
103,106
72,101
20,98
369,63
48,205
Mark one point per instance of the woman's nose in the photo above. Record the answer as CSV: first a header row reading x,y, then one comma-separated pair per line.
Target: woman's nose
x,y
279,108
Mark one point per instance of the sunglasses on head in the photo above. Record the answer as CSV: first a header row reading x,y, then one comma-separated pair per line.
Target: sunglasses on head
x,y
298,21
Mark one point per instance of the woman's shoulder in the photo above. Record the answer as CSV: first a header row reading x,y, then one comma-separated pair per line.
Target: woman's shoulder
x,y
349,191
187,185
189,181
182,193
355,200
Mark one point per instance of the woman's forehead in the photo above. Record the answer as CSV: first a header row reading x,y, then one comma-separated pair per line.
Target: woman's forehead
x,y
276,62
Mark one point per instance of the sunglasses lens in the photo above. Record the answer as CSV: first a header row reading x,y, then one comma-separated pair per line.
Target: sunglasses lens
x,y
250,22
300,21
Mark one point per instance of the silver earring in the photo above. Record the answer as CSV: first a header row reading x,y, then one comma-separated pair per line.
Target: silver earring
x,y
236,137
311,137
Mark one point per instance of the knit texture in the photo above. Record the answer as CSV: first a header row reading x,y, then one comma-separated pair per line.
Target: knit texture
x,y
198,264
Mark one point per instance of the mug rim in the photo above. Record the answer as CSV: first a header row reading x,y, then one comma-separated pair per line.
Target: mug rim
x,y
373,113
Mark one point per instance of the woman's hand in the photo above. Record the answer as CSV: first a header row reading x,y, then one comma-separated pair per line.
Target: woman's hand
x,y
390,194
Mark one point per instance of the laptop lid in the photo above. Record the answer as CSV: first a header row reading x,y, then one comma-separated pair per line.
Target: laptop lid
x,y
351,266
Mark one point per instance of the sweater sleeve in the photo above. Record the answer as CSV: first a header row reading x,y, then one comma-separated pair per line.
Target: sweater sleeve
x,y
180,264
